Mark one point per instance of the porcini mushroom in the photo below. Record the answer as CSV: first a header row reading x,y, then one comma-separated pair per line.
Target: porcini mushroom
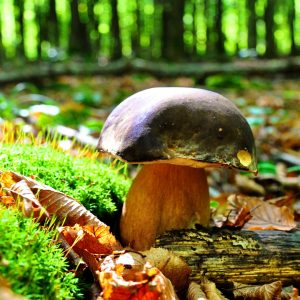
x,y
175,133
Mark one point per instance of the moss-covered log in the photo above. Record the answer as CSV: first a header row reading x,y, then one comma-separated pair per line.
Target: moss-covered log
x,y
249,257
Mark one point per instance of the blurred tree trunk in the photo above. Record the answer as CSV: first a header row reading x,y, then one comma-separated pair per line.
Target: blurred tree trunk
x,y
2,50
136,34
156,37
194,29
19,17
173,29
292,16
270,28
93,26
79,42
53,28
116,44
209,16
252,33
43,27
220,38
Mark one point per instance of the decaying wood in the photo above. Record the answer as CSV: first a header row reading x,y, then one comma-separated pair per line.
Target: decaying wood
x,y
200,70
249,257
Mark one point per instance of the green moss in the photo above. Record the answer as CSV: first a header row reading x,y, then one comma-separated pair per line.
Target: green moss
x,y
32,263
100,188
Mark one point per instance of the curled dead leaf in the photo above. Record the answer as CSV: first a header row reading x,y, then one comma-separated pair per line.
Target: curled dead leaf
x,y
30,204
266,216
172,266
195,292
271,291
210,290
96,240
65,208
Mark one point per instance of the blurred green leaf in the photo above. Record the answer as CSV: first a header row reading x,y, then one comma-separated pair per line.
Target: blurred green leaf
x,y
266,167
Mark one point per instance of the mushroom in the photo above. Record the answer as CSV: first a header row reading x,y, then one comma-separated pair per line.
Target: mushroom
x,y
174,132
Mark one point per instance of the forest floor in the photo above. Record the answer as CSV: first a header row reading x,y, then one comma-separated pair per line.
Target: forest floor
x,y
76,107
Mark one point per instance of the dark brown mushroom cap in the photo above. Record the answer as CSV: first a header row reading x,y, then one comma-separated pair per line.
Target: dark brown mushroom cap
x,y
168,123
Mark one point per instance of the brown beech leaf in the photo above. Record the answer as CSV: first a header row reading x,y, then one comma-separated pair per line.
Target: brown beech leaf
x,y
88,242
230,213
195,292
266,216
271,291
30,204
96,240
127,276
65,208
171,265
242,216
210,290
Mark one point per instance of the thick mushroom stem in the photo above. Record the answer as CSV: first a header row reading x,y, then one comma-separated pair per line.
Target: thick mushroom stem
x,y
163,197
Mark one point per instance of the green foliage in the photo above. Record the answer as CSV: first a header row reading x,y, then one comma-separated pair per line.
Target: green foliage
x,y
266,168
6,108
236,82
100,188
85,95
226,81
32,263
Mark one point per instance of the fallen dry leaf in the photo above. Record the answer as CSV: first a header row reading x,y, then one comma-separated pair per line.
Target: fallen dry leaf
x,y
30,204
89,242
128,276
242,216
271,291
171,265
210,290
195,292
68,210
96,240
266,216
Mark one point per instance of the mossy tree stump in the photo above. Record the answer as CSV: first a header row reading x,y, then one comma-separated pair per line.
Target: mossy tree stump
x,y
250,257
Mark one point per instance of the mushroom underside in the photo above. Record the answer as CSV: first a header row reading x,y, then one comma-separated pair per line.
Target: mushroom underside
x,y
163,197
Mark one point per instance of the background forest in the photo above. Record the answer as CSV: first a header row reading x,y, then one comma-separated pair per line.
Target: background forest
x,y
176,30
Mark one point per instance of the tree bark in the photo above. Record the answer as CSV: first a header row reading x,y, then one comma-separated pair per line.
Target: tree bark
x,y
250,257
